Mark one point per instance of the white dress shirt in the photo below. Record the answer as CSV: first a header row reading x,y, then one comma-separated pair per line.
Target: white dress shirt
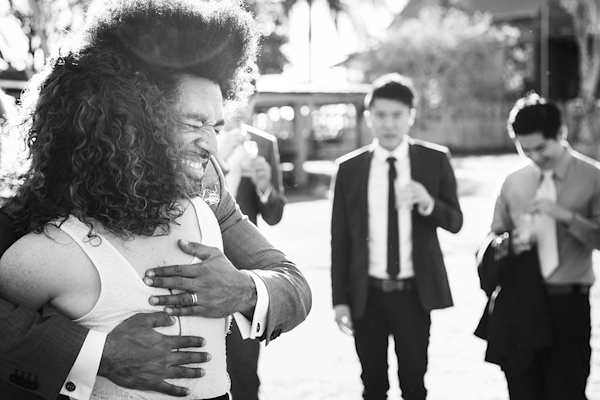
x,y
378,211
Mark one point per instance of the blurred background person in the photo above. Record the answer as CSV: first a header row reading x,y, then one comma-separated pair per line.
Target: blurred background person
x,y
249,158
545,228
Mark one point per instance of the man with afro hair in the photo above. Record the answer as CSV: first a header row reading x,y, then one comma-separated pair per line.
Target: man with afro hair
x,y
124,213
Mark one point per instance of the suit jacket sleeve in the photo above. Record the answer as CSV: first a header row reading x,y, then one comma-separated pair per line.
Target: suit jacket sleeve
x,y
446,212
41,350
290,297
272,210
340,243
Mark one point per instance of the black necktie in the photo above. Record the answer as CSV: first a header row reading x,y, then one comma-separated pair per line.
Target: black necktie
x,y
393,256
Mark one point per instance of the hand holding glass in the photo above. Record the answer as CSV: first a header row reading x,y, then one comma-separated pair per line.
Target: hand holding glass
x,y
251,150
522,234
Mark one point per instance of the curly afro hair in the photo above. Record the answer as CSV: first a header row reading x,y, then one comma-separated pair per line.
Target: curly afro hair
x,y
99,120
215,40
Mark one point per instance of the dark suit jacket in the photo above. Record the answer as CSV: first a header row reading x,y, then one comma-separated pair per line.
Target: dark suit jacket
x,y
246,196
23,330
44,350
516,321
430,165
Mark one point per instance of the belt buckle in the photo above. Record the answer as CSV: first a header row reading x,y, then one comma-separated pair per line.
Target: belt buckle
x,y
388,285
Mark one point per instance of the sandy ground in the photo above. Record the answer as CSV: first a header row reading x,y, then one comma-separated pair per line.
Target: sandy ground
x,y
317,361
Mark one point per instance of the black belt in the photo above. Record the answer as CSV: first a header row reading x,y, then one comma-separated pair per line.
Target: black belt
x,y
392,285
558,290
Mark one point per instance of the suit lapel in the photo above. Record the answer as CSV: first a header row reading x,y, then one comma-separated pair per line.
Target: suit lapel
x,y
417,170
362,182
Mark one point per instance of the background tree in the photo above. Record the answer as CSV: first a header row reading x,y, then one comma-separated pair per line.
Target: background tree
x,y
273,18
464,69
42,23
585,128
337,8
451,56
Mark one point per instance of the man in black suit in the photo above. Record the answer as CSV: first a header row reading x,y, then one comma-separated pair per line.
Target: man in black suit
x,y
387,268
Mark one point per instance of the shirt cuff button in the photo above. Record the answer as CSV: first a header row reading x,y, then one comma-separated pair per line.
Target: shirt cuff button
x,y
70,386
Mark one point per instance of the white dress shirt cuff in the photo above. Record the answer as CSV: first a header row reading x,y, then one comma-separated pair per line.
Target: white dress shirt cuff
x,y
428,209
81,379
255,328
264,197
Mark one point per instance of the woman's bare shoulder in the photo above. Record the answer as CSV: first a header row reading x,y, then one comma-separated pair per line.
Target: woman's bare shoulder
x,y
33,269
43,245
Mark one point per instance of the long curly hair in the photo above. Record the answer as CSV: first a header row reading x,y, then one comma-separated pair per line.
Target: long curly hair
x,y
100,120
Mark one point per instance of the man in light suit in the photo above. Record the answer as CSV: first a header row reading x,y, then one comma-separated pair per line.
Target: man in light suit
x,y
39,357
250,159
387,268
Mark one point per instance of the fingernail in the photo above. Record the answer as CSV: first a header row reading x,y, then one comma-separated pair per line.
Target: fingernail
x,y
172,318
150,273
153,300
169,310
208,357
184,242
148,281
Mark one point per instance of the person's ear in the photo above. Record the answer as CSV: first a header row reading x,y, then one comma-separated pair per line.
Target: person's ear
x,y
412,116
563,132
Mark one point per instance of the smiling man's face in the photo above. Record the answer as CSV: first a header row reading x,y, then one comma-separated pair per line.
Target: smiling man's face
x,y
201,109
544,152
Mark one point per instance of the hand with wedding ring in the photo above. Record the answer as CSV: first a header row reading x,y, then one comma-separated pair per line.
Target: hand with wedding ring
x,y
213,288
134,345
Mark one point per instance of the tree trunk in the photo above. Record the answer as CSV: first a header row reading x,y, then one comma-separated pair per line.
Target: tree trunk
x,y
586,24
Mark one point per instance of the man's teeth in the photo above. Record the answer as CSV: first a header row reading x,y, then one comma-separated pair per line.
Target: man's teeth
x,y
193,164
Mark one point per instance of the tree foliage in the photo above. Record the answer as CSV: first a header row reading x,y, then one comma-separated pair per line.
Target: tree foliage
x,y
273,18
42,23
451,56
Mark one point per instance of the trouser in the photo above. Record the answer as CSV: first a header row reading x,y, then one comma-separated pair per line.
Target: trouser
x,y
559,372
242,365
400,314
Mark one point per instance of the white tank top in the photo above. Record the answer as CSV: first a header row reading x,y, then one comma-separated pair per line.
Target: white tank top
x,y
124,294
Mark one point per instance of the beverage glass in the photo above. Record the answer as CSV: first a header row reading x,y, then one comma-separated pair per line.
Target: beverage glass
x,y
251,152
525,227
